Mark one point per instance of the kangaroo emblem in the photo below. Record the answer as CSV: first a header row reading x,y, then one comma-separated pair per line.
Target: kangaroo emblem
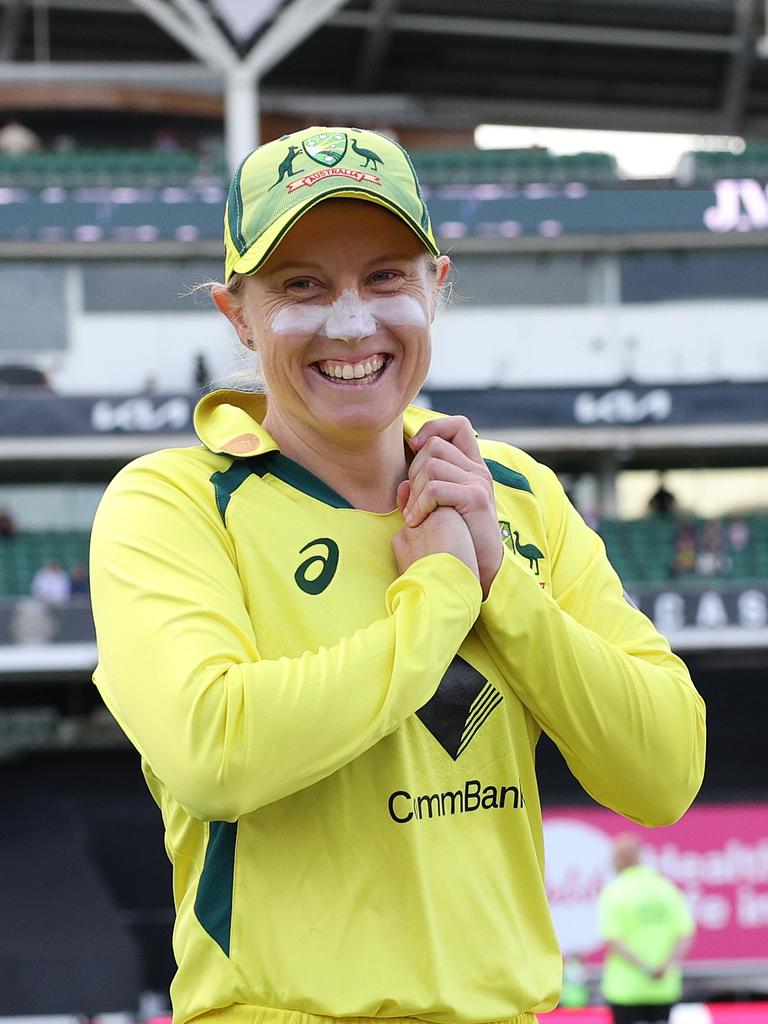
x,y
286,167
368,155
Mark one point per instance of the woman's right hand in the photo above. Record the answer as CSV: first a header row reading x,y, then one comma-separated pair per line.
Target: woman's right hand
x,y
443,530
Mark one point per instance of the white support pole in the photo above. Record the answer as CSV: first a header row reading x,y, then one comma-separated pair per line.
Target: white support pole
x,y
291,27
182,31
208,28
241,116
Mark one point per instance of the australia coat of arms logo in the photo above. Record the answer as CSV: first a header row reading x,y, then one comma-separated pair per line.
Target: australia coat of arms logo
x,y
327,148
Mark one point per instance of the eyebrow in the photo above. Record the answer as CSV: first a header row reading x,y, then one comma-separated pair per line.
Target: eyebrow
x,y
280,268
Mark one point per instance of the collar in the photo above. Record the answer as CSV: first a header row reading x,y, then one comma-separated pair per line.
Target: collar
x,y
230,423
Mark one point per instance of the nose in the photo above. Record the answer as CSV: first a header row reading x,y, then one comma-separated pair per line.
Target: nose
x,y
349,319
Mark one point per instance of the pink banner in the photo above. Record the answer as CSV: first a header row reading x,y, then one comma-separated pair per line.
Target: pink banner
x,y
717,854
685,1013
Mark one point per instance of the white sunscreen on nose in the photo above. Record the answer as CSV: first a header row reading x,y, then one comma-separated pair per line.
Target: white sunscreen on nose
x,y
349,317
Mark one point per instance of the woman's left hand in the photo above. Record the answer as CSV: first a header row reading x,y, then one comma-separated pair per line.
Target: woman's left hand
x,y
449,470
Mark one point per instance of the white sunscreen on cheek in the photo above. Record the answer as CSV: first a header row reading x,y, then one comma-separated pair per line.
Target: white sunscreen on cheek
x,y
397,311
300,319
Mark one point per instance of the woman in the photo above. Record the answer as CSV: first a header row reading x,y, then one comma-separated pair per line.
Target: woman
x,y
336,630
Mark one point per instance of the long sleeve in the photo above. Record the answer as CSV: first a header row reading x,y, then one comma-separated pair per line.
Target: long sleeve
x,y
224,731
595,674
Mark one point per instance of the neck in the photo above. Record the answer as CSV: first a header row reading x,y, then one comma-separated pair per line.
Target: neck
x,y
366,471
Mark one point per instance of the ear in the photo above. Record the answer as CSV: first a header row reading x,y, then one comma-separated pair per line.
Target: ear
x,y
442,271
232,309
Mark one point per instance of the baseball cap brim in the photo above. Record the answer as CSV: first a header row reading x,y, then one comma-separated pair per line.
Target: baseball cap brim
x,y
269,240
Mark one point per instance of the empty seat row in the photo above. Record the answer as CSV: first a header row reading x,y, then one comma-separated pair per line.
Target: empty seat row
x,y
135,167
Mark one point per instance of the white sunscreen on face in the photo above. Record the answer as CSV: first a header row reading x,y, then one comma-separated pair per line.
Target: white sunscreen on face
x,y
397,311
350,318
302,319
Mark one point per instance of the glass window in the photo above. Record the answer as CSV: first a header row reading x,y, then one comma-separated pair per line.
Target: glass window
x,y
33,301
660,276
147,285
521,280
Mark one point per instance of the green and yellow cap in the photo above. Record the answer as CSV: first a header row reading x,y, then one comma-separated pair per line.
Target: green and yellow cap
x,y
281,180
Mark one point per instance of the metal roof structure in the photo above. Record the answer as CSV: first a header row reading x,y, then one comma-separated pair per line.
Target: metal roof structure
x,y
652,65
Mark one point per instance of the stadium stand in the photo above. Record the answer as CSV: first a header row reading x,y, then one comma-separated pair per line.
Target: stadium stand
x,y
512,166
645,550
704,167
137,168
23,554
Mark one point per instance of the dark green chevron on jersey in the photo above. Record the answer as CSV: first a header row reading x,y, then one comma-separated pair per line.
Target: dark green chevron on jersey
x,y
463,701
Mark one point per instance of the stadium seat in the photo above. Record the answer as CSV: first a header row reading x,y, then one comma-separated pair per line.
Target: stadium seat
x,y
512,166
643,550
22,555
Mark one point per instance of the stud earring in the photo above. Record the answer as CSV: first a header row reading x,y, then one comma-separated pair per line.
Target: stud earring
x,y
249,342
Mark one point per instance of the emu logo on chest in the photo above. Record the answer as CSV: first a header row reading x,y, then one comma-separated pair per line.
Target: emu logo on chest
x,y
512,539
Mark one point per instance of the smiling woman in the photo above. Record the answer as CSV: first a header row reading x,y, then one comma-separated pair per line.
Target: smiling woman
x,y
340,315
340,605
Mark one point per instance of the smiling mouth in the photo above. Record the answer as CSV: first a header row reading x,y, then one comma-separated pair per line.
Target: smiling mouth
x,y
365,371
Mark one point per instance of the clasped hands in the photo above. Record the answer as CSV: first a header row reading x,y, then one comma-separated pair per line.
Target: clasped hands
x,y
447,501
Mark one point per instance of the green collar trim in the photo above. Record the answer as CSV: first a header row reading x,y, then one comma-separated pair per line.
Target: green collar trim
x,y
297,476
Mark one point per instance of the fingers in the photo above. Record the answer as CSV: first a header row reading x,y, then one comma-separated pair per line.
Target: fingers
x,y
455,429
441,461
466,496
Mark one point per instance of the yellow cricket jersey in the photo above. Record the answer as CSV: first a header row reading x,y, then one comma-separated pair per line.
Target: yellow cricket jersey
x,y
344,757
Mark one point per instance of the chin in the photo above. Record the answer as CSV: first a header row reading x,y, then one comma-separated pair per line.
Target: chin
x,y
363,419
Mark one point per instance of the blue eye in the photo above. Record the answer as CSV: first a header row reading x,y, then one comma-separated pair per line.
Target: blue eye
x,y
384,277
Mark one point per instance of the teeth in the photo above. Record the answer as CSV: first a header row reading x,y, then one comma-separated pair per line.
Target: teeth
x,y
352,371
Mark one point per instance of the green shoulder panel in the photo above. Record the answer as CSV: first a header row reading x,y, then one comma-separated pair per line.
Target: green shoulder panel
x,y
508,477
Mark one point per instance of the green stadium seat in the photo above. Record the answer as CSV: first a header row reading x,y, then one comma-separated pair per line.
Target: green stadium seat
x,y
21,556
643,550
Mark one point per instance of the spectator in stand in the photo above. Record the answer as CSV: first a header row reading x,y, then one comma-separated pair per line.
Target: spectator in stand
x,y
662,502
711,557
647,927
685,550
7,523
17,140
78,581
202,373
166,141
50,583
738,534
